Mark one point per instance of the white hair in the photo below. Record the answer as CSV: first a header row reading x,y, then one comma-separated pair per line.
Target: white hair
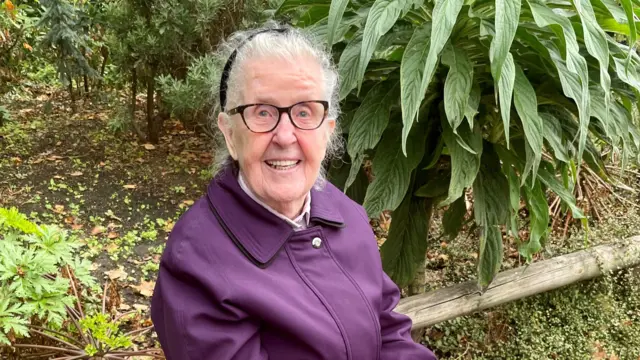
x,y
291,44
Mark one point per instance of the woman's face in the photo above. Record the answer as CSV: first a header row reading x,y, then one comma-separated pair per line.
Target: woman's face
x,y
280,166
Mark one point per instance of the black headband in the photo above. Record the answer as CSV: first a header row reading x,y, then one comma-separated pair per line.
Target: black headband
x,y
227,67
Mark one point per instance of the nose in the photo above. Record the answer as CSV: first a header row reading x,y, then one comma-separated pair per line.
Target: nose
x,y
284,133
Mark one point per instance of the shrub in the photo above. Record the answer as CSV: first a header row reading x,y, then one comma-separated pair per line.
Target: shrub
x,y
37,264
503,98
190,100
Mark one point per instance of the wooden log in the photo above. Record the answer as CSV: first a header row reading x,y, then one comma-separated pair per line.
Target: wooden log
x,y
444,304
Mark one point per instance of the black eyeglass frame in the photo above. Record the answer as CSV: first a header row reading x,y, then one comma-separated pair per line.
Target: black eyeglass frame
x,y
240,110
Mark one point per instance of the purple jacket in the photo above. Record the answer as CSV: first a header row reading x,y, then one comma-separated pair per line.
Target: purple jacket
x,y
236,282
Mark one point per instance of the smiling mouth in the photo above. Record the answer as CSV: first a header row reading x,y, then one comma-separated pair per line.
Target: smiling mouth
x,y
282,164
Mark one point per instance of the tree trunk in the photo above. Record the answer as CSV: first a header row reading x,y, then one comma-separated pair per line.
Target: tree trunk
x,y
419,283
73,99
511,285
134,90
153,130
86,84
105,56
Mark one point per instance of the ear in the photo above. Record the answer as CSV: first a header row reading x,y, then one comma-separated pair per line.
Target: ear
x,y
227,131
331,123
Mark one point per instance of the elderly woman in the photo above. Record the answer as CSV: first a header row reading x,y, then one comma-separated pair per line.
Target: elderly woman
x,y
275,262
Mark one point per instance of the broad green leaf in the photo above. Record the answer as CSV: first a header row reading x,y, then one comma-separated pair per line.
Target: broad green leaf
x,y
453,217
596,41
505,91
289,5
614,8
457,86
356,163
491,209
348,67
552,183
514,197
506,23
339,171
406,244
382,16
473,103
527,108
411,73
630,77
539,220
392,170
435,186
358,188
321,28
445,15
628,9
598,110
464,165
553,134
575,64
312,16
336,10
371,118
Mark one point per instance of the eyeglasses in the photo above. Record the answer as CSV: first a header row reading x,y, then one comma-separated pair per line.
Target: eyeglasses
x,y
263,118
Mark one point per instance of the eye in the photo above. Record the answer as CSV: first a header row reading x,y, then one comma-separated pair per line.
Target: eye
x,y
264,113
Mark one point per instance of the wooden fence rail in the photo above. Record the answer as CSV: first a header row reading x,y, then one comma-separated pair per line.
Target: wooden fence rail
x,y
462,299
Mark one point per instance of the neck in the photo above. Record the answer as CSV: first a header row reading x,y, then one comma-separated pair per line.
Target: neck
x,y
290,209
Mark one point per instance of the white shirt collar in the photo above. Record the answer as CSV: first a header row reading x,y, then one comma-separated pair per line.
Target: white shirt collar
x,y
299,223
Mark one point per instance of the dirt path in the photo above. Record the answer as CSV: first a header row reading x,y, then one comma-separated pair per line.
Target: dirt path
x,y
116,194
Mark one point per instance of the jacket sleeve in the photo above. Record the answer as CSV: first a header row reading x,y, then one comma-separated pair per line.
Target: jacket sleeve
x,y
396,328
190,311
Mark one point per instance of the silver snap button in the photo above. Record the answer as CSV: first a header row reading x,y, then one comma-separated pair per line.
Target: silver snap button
x,y
316,242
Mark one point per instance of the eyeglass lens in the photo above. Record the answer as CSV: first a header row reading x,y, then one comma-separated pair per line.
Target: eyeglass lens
x,y
262,117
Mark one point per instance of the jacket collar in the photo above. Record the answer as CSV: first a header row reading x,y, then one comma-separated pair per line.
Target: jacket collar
x,y
258,233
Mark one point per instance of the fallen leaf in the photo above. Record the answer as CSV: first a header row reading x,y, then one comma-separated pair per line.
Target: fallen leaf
x,y
443,257
77,173
58,208
58,177
101,164
54,158
118,273
111,248
76,226
188,202
149,147
112,235
168,226
145,288
130,186
59,143
141,307
97,230
112,226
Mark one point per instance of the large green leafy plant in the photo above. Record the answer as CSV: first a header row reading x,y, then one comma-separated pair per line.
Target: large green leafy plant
x,y
503,99
36,265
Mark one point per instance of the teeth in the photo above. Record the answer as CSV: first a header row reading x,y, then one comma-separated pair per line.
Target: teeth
x,y
282,163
